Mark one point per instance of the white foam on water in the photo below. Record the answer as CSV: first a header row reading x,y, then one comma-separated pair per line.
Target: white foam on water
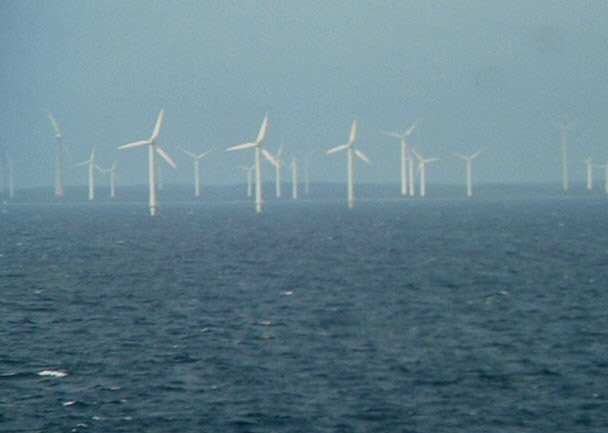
x,y
52,373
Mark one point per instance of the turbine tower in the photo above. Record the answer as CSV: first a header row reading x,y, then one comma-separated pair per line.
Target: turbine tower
x,y
113,177
249,171
350,150
153,149
294,178
589,163
92,167
197,175
259,151
565,129
405,176
59,149
605,167
306,172
276,162
422,162
10,168
469,161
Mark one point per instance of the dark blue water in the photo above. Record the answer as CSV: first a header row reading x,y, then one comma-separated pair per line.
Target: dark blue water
x,y
419,316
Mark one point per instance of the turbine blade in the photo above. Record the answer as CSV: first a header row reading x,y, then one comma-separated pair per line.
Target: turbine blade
x,y
391,134
564,127
476,153
166,157
80,164
411,128
158,126
353,132
204,154
270,158
338,148
92,157
187,152
54,123
67,151
363,156
242,146
263,130
420,158
460,155
135,144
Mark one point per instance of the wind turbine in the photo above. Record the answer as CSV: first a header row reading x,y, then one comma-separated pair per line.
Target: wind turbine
x,y
277,167
605,167
565,129
404,158
249,171
153,149
113,177
10,174
59,149
197,177
294,177
469,161
306,169
350,150
422,162
589,163
259,151
92,167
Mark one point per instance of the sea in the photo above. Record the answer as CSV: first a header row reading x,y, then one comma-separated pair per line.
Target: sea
x,y
414,315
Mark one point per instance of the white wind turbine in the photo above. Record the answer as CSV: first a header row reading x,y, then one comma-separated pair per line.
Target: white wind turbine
x,y
259,151
59,149
113,177
294,177
589,163
306,172
469,161
153,149
90,163
605,167
10,163
249,171
405,176
422,162
197,176
350,150
276,162
565,129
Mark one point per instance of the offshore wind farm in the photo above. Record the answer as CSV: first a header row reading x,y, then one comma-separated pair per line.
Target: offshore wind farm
x,y
345,217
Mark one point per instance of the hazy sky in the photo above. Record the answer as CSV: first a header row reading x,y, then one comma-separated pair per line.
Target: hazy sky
x,y
478,74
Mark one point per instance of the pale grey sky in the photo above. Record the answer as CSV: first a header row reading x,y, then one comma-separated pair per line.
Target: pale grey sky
x,y
478,74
